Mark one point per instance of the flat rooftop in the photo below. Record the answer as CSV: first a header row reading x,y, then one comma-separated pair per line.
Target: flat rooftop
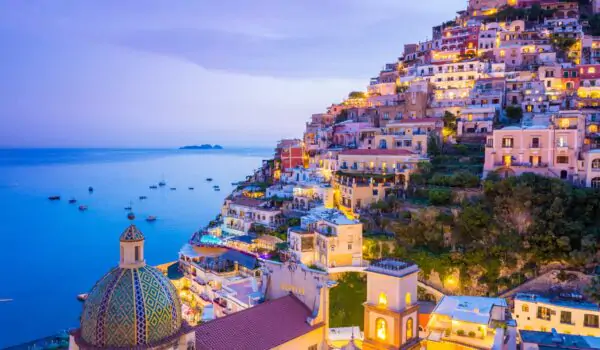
x,y
468,309
557,301
393,267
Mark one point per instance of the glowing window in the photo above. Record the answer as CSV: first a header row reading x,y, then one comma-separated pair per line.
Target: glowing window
x,y
596,164
407,299
525,308
470,117
564,123
593,128
382,299
592,70
409,329
502,53
381,329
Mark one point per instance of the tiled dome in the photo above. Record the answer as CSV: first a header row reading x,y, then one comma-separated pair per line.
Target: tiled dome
x,y
132,234
131,307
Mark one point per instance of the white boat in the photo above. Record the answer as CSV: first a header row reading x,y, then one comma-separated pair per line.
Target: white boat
x,y
82,297
151,218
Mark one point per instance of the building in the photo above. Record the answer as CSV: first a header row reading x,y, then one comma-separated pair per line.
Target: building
x,y
291,153
133,306
327,239
459,322
533,340
565,314
239,214
596,6
391,309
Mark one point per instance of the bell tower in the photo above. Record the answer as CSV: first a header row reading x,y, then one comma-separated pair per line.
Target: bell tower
x,y
391,310
132,248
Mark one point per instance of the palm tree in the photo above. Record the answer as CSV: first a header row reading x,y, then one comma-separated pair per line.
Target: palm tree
x,y
593,290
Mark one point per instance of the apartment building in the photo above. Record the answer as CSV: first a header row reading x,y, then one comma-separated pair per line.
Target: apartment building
x,y
567,313
239,214
327,238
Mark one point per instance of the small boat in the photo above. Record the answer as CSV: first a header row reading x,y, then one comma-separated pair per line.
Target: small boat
x,y
217,189
173,188
216,186
54,198
143,197
90,189
162,181
190,188
82,297
128,208
151,218
153,187
131,216
72,201
83,207
209,179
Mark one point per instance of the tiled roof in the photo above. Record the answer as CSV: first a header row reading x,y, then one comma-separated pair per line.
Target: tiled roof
x,y
264,326
376,152
248,202
131,234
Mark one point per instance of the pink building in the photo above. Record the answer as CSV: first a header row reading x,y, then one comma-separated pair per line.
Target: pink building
x,y
346,133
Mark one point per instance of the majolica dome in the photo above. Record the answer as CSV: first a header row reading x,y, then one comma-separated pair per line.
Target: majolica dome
x,y
131,307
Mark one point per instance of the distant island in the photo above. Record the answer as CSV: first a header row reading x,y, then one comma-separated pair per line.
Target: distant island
x,y
205,146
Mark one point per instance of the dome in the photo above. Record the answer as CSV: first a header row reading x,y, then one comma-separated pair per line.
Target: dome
x,y
132,234
131,307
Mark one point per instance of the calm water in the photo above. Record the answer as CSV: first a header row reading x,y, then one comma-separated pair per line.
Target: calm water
x,y
50,251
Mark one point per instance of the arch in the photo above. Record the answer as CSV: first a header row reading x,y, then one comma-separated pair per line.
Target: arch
x,y
409,329
381,328
596,182
563,174
596,163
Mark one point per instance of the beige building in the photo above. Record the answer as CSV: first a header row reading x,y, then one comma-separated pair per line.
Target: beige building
x,y
391,309
564,314
240,213
327,238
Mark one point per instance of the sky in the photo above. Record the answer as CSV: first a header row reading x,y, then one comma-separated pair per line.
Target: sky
x,y
148,73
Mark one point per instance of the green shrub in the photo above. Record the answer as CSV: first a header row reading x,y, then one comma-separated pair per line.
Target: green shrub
x,y
472,334
460,332
440,196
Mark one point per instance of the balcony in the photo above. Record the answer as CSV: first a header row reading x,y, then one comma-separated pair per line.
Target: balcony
x,y
535,145
521,165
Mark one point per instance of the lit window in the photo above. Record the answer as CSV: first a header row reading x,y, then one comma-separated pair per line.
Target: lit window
x,y
381,329
593,128
502,53
564,123
592,70
382,299
409,328
407,299
525,308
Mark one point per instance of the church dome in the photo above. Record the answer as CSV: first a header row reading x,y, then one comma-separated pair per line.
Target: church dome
x,y
133,304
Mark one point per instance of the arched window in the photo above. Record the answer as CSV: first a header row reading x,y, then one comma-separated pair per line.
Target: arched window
x,y
596,182
383,144
596,164
381,329
407,299
525,308
382,299
137,253
409,328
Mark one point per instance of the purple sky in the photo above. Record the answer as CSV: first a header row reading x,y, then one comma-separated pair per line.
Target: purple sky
x,y
113,73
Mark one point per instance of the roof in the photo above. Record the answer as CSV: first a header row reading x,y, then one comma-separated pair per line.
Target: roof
x,y
417,121
559,340
248,202
469,309
557,301
264,326
245,259
375,152
131,234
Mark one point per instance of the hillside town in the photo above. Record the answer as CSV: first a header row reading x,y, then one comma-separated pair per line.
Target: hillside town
x,y
406,216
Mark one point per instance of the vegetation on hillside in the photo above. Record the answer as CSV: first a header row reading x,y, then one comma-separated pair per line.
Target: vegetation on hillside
x,y
346,299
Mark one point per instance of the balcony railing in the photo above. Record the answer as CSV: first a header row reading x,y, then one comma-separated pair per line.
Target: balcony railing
x,y
522,165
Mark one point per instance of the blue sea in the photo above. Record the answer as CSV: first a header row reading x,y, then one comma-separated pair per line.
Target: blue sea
x,y
50,251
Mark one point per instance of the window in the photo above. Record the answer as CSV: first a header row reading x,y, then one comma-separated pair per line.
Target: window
x,y
561,142
122,254
590,320
543,313
507,142
596,164
525,308
349,246
564,123
386,116
382,299
535,142
381,329
375,192
137,253
565,317
591,70
562,160
409,328
313,347
407,299
596,182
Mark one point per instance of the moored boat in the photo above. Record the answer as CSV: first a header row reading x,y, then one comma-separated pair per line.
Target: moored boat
x,y
83,207
153,187
54,198
190,188
173,188
209,179
90,189
82,297
131,216
72,201
143,197
151,218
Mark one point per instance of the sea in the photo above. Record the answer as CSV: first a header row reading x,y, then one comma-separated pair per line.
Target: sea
x,y
50,251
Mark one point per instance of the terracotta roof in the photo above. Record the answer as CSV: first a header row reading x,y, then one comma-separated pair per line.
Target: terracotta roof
x,y
376,152
264,326
248,202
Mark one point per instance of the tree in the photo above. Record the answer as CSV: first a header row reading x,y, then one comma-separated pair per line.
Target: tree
x,y
514,113
342,117
449,120
357,94
440,196
433,145
593,290
400,89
